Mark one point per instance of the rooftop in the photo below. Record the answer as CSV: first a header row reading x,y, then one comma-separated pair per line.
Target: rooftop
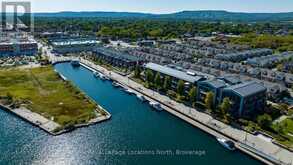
x,y
116,54
247,89
74,42
173,72
216,83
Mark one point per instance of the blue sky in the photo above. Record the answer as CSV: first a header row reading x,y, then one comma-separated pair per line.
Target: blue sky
x,y
162,6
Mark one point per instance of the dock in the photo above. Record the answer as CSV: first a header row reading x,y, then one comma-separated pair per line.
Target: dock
x,y
34,118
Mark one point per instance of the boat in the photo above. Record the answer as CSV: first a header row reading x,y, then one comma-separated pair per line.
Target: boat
x,y
99,75
96,74
75,63
102,76
141,97
108,78
156,106
129,91
227,143
115,84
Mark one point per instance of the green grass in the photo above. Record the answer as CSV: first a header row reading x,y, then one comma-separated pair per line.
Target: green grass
x,y
287,132
42,91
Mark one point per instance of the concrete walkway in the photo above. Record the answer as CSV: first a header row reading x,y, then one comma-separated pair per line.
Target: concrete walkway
x,y
36,119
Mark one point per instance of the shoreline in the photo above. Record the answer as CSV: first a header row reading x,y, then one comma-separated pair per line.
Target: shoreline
x,y
47,125
32,120
262,157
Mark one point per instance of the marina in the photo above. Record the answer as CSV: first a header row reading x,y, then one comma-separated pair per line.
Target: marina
x,y
268,153
133,124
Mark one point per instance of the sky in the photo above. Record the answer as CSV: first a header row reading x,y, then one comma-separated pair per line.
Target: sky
x,y
162,6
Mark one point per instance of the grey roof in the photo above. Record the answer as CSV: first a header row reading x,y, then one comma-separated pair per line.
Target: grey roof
x,y
117,54
233,80
215,83
173,72
247,88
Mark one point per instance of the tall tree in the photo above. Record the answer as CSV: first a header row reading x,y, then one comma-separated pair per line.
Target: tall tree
x,y
149,76
167,83
180,88
192,94
225,107
264,121
209,99
137,72
158,80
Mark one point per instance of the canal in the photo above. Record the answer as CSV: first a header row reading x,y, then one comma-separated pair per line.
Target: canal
x,y
134,135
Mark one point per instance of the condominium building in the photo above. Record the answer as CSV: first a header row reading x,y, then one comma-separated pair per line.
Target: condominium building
x,y
75,45
17,44
176,75
117,58
247,98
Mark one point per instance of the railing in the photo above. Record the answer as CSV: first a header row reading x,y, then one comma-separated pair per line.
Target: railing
x,y
262,154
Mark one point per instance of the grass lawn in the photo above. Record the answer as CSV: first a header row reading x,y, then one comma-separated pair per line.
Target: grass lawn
x,y
287,132
42,91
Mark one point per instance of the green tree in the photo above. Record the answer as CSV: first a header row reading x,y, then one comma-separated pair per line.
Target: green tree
x,y
209,99
158,80
167,83
264,121
149,76
192,95
279,128
225,107
180,88
137,72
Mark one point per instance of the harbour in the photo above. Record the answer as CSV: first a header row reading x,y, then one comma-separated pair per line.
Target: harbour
x,y
133,124
202,121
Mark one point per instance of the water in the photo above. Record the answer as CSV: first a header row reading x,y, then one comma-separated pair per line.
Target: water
x,y
133,127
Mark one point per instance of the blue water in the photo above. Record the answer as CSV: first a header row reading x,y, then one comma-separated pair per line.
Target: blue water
x,y
133,127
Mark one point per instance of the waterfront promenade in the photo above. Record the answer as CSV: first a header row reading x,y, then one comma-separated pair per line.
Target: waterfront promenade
x,y
251,144
34,118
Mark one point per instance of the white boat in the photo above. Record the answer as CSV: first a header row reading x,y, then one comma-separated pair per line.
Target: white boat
x,y
99,75
115,84
102,76
227,144
141,97
129,91
96,74
156,106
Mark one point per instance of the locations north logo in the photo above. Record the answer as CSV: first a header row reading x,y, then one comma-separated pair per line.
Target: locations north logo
x,y
16,15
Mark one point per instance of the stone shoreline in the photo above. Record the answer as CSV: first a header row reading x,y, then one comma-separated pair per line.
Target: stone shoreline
x,y
47,125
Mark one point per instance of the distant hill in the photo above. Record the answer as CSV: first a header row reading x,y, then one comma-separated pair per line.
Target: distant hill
x,y
204,15
95,14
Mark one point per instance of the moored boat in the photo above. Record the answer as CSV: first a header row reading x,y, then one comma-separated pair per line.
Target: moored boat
x,y
115,84
75,63
156,106
99,75
129,91
141,97
227,143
